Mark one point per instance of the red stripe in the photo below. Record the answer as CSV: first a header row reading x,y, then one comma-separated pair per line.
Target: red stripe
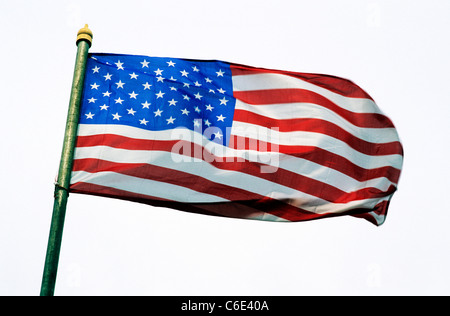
x,y
314,154
322,127
335,84
277,96
281,176
123,142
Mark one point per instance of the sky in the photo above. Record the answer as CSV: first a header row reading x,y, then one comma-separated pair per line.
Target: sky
x,y
398,51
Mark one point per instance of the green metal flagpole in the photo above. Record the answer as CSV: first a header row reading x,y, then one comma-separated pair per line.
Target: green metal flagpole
x,y
84,41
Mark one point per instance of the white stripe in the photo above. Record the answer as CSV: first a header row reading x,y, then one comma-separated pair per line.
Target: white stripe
x,y
287,111
132,132
143,186
269,81
319,140
201,168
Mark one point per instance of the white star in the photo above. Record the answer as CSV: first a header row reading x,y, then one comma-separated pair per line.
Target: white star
x,y
133,76
118,100
145,64
131,111
220,118
108,76
172,102
89,116
173,89
160,79
197,84
221,90
170,64
104,107
160,95
143,121
94,86
219,73
185,111
170,120
119,65
147,86
158,72
95,69
106,94
116,116
92,100
209,107
197,122
172,78
186,85
223,101
185,97
218,135
146,105
184,73
198,96
158,112
133,95
120,84
207,123
212,91
195,69
208,80
197,109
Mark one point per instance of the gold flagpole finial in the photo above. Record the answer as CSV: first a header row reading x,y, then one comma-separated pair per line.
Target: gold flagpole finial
x,y
85,34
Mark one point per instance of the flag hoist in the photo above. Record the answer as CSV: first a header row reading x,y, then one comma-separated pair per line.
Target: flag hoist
x,y
84,41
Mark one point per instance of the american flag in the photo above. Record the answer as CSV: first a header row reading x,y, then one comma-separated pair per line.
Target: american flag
x,y
223,139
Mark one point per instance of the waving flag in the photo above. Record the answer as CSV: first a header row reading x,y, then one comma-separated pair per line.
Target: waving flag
x,y
231,140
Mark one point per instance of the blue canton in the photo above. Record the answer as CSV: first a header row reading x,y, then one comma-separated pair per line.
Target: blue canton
x,y
156,94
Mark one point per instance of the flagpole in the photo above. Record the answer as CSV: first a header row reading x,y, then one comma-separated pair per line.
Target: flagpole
x,y
84,41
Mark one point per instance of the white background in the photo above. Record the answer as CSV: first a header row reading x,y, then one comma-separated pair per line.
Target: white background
x,y
398,51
